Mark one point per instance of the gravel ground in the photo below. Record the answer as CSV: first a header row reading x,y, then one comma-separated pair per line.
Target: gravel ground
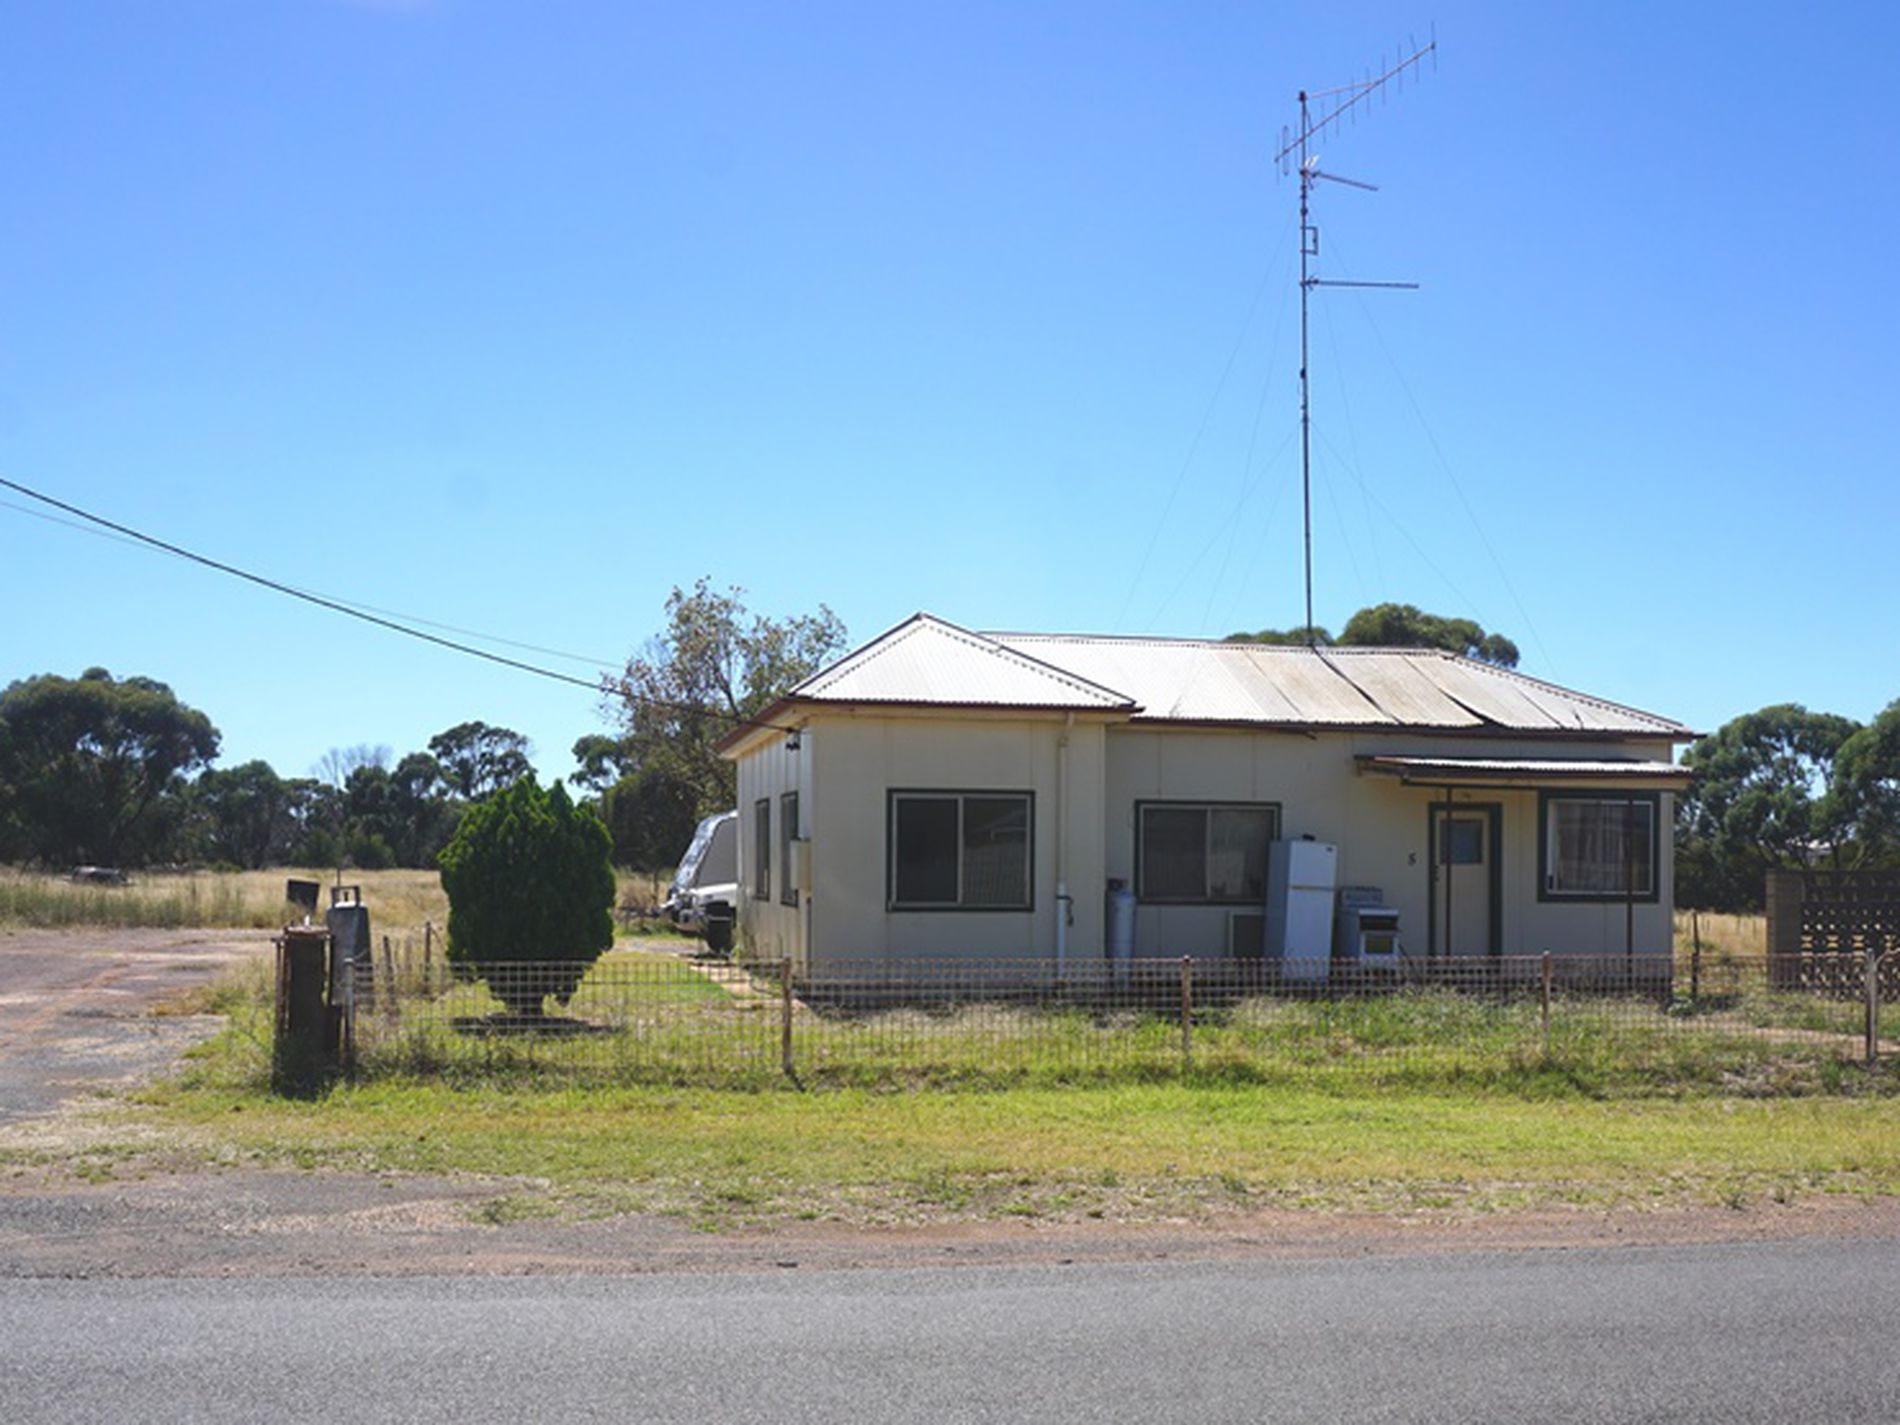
x,y
76,1007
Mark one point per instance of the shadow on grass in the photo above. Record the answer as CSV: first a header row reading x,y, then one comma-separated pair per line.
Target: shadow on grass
x,y
543,1026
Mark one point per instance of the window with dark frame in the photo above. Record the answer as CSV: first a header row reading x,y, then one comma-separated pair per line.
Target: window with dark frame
x,y
1203,853
1600,847
960,850
787,833
762,848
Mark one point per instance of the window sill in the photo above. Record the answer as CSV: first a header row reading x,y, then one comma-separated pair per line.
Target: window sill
x,y
1597,898
959,909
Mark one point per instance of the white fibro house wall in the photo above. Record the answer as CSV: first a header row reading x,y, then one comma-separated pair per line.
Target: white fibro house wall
x,y
942,793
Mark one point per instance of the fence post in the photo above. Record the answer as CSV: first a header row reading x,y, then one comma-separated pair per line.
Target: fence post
x,y
1544,999
1695,975
1873,1003
785,1020
389,980
303,1050
428,949
1187,1012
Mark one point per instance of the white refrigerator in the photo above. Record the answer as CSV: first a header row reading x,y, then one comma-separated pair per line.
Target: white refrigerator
x,y
1301,876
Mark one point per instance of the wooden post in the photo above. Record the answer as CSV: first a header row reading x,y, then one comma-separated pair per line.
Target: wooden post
x,y
389,980
1695,975
1544,996
785,1020
428,950
1187,1012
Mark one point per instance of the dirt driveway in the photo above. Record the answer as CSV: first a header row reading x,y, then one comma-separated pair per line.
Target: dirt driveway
x,y
75,1006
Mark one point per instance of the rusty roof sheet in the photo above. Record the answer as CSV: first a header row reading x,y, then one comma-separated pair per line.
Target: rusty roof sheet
x,y
1176,680
930,662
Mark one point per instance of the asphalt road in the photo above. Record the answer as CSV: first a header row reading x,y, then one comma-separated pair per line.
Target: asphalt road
x,y
74,1006
1763,1332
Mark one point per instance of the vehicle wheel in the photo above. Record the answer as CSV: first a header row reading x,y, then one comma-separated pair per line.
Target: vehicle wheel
x,y
719,936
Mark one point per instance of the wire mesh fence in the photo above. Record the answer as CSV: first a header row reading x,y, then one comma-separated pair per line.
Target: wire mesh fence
x,y
652,1016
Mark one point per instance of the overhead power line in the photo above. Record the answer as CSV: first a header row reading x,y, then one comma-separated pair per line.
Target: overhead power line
x,y
97,533
603,684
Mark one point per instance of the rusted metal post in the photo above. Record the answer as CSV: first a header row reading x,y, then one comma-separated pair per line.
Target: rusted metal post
x,y
1544,998
428,954
1187,1012
785,1020
304,1049
1695,974
389,980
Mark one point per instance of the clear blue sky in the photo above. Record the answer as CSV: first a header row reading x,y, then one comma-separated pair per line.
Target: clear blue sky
x,y
515,316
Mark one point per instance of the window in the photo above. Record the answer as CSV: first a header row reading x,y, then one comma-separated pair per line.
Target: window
x,y
1460,841
787,833
960,850
1203,853
762,848
1599,847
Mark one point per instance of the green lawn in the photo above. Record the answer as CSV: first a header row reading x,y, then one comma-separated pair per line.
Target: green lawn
x,y
1131,1150
1142,1150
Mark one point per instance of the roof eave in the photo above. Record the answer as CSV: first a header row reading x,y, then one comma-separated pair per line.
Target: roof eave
x,y
1417,772
1487,729
798,710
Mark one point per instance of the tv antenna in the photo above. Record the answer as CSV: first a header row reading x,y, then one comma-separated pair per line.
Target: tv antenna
x,y
1340,105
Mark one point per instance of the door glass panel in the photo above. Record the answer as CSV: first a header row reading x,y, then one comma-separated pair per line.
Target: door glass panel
x,y
1461,841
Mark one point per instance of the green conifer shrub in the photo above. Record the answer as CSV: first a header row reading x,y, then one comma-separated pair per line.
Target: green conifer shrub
x,y
531,886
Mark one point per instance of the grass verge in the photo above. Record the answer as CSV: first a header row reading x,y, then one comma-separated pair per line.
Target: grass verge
x,y
1130,1152
1128,1149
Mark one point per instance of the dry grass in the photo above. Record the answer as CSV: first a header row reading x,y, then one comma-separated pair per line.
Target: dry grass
x,y
1742,936
399,901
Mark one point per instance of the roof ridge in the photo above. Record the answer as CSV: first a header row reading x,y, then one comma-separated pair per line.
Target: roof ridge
x,y
988,644
978,642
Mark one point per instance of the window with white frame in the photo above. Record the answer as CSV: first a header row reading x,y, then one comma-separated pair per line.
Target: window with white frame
x,y
960,850
1600,847
1203,853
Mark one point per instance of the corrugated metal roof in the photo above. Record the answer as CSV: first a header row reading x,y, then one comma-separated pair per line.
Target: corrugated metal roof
x,y
927,661
1529,770
1192,680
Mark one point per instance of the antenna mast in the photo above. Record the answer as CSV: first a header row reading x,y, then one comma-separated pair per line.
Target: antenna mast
x,y
1340,104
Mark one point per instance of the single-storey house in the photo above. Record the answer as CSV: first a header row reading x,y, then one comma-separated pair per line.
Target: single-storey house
x,y
944,793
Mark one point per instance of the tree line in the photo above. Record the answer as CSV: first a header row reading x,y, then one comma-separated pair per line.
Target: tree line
x,y
98,770
1786,788
110,771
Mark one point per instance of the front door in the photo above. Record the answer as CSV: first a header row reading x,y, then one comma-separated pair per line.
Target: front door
x,y
1466,888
